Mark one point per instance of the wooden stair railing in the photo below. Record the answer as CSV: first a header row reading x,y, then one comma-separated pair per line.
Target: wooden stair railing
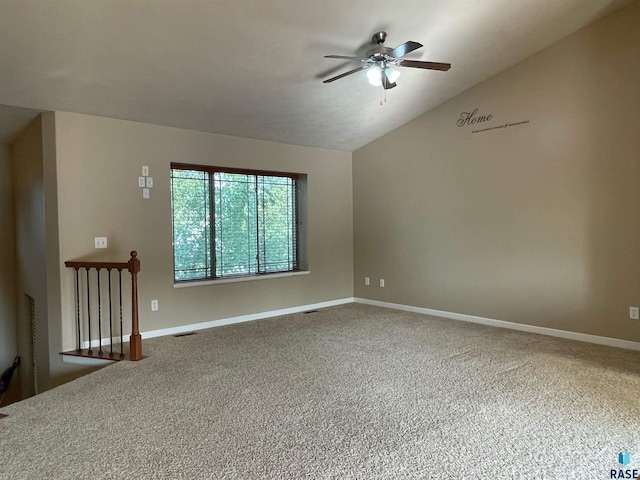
x,y
135,340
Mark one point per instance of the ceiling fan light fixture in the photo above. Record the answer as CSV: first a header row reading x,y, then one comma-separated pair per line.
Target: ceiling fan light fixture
x,y
392,74
374,74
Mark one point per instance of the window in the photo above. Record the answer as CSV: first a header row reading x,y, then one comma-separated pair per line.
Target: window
x,y
231,223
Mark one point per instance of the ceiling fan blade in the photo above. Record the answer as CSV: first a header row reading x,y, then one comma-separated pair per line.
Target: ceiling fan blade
x,y
402,50
345,58
342,75
428,65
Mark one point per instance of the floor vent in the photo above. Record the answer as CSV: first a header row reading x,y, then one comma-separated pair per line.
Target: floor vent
x,y
309,311
184,334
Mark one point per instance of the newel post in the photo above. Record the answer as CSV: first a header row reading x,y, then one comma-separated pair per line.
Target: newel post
x,y
135,341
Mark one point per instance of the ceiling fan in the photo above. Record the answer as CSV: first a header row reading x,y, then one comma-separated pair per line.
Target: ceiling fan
x,y
379,60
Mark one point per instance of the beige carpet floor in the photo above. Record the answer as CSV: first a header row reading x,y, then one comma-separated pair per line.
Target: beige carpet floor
x,y
354,392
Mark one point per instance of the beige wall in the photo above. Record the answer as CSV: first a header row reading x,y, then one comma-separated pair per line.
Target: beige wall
x,y
30,238
8,342
98,164
537,223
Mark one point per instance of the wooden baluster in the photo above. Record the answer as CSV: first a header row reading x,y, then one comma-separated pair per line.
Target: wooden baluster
x,y
135,341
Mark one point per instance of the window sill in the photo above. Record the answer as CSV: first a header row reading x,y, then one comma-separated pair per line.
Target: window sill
x,y
250,278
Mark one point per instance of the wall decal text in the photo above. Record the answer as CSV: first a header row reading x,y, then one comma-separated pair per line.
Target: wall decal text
x,y
498,127
471,118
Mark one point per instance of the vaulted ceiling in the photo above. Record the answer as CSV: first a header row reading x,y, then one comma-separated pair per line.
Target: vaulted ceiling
x,y
254,68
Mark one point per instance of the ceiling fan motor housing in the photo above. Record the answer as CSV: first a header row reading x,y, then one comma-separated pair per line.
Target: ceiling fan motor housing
x,y
378,51
379,37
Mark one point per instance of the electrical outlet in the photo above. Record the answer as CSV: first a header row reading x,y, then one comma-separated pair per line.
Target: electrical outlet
x,y
145,171
101,242
154,305
382,282
145,193
142,182
634,313
366,281
149,182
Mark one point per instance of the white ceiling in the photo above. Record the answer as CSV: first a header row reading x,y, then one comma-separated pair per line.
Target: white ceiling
x,y
254,68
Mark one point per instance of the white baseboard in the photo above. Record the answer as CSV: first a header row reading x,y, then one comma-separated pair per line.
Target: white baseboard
x,y
552,332
243,318
105,343
581,337
198,326
86,361
214,323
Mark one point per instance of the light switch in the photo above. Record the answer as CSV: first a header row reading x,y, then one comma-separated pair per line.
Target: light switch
x,y
145,193
145,171
142,182
149,182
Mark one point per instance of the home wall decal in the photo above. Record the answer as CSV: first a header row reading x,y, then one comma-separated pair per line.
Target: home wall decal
x,y
472,118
